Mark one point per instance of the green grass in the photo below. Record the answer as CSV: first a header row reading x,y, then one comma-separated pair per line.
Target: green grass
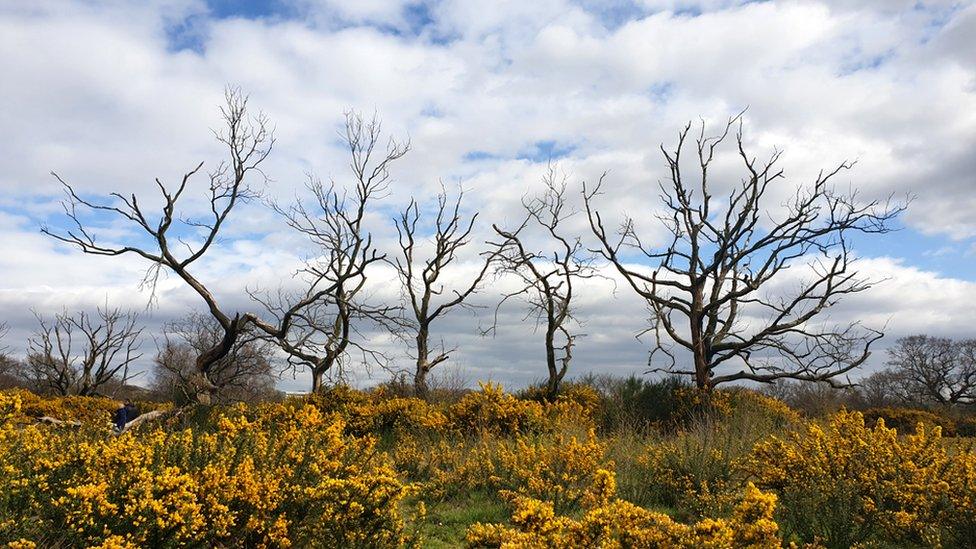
x,y
448,520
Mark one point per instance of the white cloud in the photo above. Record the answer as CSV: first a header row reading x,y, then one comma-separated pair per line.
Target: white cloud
x,y
96,92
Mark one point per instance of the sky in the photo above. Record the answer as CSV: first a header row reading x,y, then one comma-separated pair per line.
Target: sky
x,y
112,94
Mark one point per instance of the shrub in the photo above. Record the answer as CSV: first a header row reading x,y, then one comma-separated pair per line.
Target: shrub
x,y
671,403
906,419
845,483
558,468
618,523
693,405
377,412
87,410
961,518
698,470
491,409
635,403
252,480
966,426
812,399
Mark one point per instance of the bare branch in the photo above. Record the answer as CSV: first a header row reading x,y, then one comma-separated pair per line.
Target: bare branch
x,y
421,278
245,373
81,354
249,140
722,257
319,328
546,278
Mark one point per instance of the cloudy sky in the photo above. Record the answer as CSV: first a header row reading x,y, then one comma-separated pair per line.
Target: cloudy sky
x,y
113,94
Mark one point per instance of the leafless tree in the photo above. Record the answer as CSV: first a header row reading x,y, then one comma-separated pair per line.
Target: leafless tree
x,y
546,278
813,399
12,371
176,242
421,278
708,290
881,389
81,354
4,349
320,327
935,370
246,373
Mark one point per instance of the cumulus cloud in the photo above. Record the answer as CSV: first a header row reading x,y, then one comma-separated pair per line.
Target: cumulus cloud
x,y
112,94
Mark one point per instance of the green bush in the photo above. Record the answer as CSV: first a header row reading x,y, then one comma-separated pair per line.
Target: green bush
x,y
905,420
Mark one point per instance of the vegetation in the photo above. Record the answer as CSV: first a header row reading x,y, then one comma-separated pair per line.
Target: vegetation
x,y
720,262
692,460
603,464
724,253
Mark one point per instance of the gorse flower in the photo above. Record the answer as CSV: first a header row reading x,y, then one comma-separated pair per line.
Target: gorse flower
x,y
846,483
350,468
618,523
274,477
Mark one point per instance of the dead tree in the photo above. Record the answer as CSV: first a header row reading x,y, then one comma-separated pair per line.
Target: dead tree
x,y
421,278
12,371
546,279
707,287
4,349
81,354
246,373
935,370
319,329
248,140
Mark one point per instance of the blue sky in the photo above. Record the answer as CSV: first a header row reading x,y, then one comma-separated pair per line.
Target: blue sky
x,y
111,94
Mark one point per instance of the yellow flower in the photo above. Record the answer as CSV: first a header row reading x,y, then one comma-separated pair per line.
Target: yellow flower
x,y
619,523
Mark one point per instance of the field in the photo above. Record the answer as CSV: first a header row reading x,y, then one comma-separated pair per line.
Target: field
x,y
642,465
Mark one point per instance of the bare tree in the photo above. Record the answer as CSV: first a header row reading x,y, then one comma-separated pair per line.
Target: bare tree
x,y
11,371
249,140
708,290
546,278
935,370
320,328
881,389
813,399
421,278
81,354
246,373
4,349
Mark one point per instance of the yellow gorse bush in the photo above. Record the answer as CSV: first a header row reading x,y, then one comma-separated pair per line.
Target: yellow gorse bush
x,y
906,419
30,406
276,477
488,410
87,409
493,410
559,468
373,412
692,403
846,483
614,523
349,468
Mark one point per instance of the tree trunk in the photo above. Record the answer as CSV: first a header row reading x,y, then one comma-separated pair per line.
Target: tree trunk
x,y
702,374
203,389
420,387
552,384
317,379
703,378
423,365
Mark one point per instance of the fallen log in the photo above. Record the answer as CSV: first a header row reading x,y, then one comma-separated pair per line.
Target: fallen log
x,y
156,415
54,421
139,420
